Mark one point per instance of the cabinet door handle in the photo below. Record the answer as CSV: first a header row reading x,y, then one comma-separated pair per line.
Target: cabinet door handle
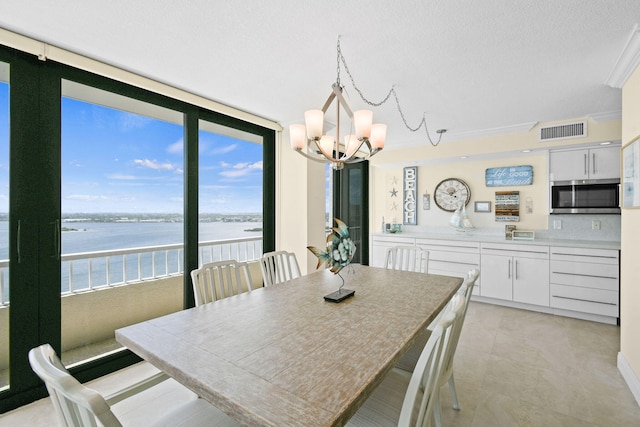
x,y
586,163
516,269
57,240
509,270
593,160
18,239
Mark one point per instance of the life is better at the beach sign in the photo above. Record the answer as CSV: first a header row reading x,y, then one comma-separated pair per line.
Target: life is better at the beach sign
x,y
509,176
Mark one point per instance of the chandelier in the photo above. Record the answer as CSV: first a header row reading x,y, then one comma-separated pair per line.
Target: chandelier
x,y
309,140
368,138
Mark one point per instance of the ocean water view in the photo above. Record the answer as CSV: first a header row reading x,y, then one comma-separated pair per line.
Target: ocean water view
x,y
93,236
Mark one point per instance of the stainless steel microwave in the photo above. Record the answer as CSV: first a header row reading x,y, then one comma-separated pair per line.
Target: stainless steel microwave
x,y
585,197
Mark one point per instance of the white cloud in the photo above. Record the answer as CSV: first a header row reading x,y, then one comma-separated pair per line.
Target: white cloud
x,y
240,169
176,147
154,164
224,150
85,197
122,177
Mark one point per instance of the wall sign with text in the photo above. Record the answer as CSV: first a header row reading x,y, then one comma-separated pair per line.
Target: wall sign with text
x,y
509,176
410,186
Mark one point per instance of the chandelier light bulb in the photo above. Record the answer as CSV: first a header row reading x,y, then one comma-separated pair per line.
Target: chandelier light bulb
x,y
326,145
362,120
297,136
351,145
314,120
378,136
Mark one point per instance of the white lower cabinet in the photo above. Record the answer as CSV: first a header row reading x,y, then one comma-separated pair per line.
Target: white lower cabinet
x,y
380,244
571,281
585,280
515,273
452,258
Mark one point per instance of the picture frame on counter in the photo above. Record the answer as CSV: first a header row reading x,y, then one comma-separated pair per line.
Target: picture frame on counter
x,y
631,174
482,207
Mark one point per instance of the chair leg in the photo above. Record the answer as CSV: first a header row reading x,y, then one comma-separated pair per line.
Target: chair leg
x,y
454,396
437,409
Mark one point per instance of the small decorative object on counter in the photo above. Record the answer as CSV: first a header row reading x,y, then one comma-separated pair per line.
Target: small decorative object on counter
x,y
459,220
338,254
523,235
508,231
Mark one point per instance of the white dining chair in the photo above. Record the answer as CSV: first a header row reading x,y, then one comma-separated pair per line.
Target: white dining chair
x,y
446,375
78,406
217,280
409,399
409,360
279,266
407,258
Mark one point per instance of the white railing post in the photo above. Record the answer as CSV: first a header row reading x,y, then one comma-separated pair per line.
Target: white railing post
x,y
217,250
90,274
108,266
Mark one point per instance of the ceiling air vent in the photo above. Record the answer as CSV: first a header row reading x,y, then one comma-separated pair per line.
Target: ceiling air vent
x,y
570,130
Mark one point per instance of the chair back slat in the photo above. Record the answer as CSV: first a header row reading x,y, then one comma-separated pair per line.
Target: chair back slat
x,y
420,397
407,258
75,404
279,266
217,280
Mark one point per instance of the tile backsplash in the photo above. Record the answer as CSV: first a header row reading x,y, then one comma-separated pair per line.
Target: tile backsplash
x,y
573,227
580,227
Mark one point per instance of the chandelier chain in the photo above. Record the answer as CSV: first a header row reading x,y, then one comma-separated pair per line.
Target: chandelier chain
x,y
392,91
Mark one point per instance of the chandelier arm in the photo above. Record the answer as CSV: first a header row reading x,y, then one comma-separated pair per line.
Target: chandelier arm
x,y
310,157
392,91
330,99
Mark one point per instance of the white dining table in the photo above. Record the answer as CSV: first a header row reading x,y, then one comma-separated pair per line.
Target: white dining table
x,y
282,355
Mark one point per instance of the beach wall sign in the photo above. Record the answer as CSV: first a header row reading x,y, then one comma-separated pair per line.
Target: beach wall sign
x,y
410,187
509,176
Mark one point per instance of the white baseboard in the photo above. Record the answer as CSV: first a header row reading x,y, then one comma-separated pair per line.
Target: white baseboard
x,y
629,376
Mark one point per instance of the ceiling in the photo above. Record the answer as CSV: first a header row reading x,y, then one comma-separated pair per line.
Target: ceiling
x,y
469,66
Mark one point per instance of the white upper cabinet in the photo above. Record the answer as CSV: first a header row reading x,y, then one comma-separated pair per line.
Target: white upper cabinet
x,y
592,163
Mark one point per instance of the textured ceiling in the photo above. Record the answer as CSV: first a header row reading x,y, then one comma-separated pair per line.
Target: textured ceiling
x,y
469,66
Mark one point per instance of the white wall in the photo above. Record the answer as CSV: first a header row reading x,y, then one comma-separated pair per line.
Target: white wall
x,y
437,163
629,271
473,173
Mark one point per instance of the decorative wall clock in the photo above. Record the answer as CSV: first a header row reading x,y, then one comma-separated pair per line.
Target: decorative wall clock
x,y
450,193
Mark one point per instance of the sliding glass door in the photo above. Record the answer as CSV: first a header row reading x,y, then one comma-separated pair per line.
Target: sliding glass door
x,y
230,199
99,206
122,217
4,226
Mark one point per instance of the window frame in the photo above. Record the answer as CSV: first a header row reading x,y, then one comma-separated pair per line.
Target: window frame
x,y
35,157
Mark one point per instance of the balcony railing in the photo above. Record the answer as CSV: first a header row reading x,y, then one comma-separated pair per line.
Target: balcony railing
x,y
90,270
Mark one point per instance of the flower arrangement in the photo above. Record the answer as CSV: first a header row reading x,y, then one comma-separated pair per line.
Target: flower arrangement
x,y
340,249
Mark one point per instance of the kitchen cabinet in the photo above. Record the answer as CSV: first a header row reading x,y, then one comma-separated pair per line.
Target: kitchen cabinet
x,y
380,244
452,258
592,163
515,273
585,280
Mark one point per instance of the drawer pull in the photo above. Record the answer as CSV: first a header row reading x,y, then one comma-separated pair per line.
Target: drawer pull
x,y
584,275
584,255
453,262
515,252
585,300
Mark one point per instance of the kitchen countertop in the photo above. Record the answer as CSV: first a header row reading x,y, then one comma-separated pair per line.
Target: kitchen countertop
x,y
486,238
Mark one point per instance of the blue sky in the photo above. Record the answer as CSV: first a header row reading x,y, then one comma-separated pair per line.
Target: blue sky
x,y
115,161
4,147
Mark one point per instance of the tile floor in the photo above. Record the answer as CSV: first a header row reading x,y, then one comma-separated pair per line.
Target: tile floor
x,y
512,368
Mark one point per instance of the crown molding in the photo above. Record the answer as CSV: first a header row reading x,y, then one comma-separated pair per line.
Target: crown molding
x,y
606,116
627,61
484,133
